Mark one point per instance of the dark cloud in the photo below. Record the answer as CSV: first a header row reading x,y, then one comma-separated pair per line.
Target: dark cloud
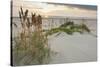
x,y
87,7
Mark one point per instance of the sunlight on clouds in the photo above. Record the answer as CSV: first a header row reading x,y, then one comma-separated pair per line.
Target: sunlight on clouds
x,y
51,9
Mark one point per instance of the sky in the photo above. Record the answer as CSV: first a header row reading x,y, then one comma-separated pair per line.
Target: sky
x,y
52,9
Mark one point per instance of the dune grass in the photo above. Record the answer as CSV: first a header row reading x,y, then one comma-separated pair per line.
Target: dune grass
x,y
30,47
69,28
34,52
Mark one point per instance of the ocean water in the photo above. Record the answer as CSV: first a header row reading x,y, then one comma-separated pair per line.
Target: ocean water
x,y
69,48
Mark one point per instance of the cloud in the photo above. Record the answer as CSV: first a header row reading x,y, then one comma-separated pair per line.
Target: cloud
x,y
55,9
88,7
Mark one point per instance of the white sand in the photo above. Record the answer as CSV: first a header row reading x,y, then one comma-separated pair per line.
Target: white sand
x,y
75,48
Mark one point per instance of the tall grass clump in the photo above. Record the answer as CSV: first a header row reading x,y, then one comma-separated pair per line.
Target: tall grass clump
x,y
30,47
